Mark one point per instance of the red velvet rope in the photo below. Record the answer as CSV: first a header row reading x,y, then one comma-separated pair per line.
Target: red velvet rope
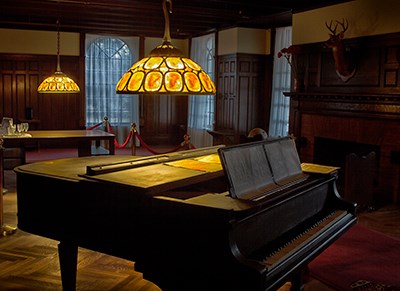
x,y
153,151
117,145
109,129
125,142
95,126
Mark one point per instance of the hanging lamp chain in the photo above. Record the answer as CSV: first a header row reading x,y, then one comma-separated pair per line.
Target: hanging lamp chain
x,y
58,46
167,36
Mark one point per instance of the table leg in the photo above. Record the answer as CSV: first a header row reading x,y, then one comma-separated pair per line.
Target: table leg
x,y
85,148
111,146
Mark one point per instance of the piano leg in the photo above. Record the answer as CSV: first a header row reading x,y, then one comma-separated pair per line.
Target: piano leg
x,y
68,257
298,281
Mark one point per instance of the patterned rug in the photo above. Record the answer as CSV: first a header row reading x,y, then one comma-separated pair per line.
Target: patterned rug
x,y
364,285
360,253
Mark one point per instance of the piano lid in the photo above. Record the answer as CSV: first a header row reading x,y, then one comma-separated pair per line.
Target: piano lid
x,y
154,174
200,155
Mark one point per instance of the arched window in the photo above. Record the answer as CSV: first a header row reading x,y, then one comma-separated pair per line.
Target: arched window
x,y
107,59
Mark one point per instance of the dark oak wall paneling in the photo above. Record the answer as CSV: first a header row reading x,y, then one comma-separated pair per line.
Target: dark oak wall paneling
x,y
364,111
376,59
163,119
20,76
242,100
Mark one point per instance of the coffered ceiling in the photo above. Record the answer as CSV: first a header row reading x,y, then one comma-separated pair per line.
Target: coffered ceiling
x,y
145,17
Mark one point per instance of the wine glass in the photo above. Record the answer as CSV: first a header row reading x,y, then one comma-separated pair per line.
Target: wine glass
x,y
25,126
20,128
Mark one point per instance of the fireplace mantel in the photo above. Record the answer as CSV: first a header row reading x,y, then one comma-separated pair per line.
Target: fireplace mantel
x,y
341,104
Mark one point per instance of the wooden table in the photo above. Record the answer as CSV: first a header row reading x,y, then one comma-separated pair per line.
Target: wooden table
x,y
82,139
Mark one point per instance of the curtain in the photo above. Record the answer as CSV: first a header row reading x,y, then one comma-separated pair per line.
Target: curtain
x,y
279,117
201,108
107,59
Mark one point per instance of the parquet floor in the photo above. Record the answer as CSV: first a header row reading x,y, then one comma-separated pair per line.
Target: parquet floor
x,y
30,262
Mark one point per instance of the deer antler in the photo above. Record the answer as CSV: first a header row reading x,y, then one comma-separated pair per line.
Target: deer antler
x,y
344,24
333,31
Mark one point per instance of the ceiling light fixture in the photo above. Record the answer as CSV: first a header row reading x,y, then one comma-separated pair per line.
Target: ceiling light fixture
x,y
166,71
58,82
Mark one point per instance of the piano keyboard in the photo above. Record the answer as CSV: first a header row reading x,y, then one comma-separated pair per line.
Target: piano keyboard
x,y
293,246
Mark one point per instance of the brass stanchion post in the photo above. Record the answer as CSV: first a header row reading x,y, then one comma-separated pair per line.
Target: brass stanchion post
x,y
186,144
107,124
106,129
133,129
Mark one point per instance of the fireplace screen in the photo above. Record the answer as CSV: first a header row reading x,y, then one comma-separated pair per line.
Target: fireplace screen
x,y
358,164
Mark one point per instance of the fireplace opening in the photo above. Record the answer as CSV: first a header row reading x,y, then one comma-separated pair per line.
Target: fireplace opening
x,y
358,163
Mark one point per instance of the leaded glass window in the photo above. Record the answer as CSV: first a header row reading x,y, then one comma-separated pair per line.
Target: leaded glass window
x,y
107,59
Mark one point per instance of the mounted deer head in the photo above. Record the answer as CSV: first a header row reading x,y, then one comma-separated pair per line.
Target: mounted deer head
x,y
335,42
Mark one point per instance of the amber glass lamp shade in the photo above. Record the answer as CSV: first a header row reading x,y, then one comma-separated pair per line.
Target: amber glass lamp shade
x,y
58,83
166,71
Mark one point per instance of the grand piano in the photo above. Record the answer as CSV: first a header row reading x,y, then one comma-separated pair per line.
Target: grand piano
x,y
188,219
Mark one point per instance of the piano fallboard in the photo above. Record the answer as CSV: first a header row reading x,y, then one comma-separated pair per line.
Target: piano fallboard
x,y
183,228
